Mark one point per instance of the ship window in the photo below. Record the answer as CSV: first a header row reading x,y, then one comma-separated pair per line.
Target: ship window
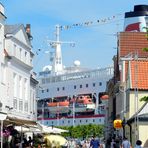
x,y
80,86
80,121
63,121
58,89
100,83
68,121
47,90
146,20
75,87
93,120
63,88
86,120
86,85
94,84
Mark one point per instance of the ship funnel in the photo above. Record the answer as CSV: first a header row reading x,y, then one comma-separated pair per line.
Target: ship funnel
x,y
137,20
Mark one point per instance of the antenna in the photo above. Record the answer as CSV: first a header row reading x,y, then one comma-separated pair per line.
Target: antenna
x,y
56,57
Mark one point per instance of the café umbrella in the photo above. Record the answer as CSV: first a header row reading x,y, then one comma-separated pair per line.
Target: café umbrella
x,y
54,140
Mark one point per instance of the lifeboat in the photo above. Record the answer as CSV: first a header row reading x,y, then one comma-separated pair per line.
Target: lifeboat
x,y
61,106
82,104
63,103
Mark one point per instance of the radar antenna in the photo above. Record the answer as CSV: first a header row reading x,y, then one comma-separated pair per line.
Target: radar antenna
x,y
56,58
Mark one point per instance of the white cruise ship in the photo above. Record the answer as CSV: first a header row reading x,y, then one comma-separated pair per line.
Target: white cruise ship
x,y
69,96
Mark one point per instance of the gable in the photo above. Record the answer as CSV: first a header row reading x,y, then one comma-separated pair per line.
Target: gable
x,y
22,36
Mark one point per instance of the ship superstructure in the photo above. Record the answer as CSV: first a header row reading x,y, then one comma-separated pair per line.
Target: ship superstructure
x,y
70,95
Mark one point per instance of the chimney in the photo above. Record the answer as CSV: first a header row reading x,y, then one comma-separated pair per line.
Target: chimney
x,y
2,13
28,31
28,28
1,9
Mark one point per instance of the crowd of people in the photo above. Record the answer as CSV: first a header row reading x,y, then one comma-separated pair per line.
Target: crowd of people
x,y
95,143
125,143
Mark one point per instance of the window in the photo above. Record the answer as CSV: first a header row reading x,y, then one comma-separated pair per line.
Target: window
x,y
20,105
80,121
25,56
86,85
20,53
93,120
20,87
146,20
42,91
63,88
75,87
15,84
80,86
94,84
26,88
26,106
14,103
58,89
100,83
47,90
14,50
3,73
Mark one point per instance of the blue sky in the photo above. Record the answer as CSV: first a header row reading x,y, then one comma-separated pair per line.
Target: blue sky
x,y
95,45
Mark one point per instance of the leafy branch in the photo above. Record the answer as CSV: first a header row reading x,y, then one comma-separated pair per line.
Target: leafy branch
x,y
145,98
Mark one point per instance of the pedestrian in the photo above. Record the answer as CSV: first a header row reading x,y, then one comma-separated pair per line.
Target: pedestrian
x,y
126,143
30,141
138,144
102,145
94,143
86,144
113,143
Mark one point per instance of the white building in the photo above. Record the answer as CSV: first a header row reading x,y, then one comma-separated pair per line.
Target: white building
x,y
17,87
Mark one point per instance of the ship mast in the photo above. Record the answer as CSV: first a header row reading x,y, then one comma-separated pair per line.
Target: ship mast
x,y
57,66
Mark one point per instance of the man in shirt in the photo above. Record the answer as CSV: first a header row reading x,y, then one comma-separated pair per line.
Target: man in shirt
x,y
94,143
126,143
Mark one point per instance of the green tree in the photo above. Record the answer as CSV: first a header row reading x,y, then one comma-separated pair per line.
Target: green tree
x,y
84,131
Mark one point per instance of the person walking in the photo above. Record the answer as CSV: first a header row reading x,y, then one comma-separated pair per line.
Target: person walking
x,y
94,143
113,143
126,143
138,144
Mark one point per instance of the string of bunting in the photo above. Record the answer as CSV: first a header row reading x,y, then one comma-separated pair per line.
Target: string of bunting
x,y
90,23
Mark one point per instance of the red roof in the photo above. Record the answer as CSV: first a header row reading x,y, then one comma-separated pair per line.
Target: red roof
x,y
132,42
139,76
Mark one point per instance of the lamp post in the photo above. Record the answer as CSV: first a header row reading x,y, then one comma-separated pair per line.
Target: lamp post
x,y
136,97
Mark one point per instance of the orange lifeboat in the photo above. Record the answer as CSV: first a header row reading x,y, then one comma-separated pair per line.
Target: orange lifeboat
x,y
62,103
82,100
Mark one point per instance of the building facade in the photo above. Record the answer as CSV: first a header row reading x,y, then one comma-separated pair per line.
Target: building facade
x,y
17,85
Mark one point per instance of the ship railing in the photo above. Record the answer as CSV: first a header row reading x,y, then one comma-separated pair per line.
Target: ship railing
x,y
97,73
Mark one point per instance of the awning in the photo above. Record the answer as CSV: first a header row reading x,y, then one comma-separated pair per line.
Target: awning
x,y
19,122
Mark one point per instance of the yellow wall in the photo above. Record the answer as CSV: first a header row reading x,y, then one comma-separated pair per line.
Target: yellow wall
x,y
132,102
143,134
